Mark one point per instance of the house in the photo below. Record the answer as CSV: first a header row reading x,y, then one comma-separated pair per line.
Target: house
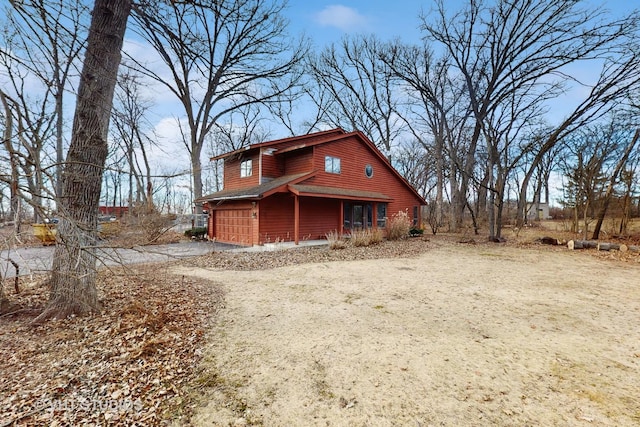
x,y
117,211
303,187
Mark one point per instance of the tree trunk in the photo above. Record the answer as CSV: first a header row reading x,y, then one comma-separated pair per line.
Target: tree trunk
x,y
196,171
14,198
59,141
612,181
4,301
439,179
73,280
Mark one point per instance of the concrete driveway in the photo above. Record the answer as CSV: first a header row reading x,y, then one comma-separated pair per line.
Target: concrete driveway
x,y
37,260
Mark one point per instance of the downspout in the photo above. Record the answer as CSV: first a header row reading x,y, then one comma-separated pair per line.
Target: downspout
x,y
260,166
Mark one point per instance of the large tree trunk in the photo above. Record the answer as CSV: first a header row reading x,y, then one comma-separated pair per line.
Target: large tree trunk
x,y
73,287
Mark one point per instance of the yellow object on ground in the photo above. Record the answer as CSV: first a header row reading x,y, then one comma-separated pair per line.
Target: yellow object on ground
x,y
46,233
108,229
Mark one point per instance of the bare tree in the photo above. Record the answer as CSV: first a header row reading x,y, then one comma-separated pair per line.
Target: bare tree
x,y
413,162
218,57
587,161
12,178
25,147
46,41
613,178
73,287
244,126
629,180
131,131
437,115
512,53
360,89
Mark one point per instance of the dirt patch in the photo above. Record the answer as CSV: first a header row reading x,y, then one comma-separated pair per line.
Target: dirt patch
x,y
455,334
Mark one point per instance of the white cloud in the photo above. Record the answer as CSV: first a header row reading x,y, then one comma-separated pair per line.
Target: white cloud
x,y
342,17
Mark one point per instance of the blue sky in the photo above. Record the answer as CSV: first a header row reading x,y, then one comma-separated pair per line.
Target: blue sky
x,y
327,21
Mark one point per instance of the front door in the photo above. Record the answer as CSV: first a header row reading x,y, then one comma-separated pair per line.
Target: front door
x,y
358,216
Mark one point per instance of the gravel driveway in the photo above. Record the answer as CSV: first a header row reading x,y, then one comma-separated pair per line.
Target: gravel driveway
x,y
37,260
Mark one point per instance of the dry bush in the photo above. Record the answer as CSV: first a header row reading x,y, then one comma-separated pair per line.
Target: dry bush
x,y
335,240
399,226
360,237
377,235
366,237
150,223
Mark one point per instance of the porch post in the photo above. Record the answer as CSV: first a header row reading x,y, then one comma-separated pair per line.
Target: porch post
x,y
340,229
296,219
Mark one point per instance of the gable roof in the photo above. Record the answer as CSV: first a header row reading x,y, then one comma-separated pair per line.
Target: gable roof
x,y
308,138
256,192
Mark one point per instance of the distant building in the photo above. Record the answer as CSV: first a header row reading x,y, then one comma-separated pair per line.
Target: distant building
x,y
117,211
537,211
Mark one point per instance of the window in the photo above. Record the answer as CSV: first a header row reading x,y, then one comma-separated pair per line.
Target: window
x,y
246,168
368,171
357,217
415,216
381,215
347,216
331,164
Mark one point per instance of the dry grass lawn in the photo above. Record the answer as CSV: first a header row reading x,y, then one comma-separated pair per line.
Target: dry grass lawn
x,y
460,335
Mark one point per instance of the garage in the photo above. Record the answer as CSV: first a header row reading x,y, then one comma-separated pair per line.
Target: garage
x,y
233,226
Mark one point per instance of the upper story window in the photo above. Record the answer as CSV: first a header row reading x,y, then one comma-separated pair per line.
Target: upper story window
x,y
246,168
368,171
331,164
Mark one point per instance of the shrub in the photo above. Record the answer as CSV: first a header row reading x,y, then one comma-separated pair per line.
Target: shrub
x,y
154,225
149,222
196,232
361,237
335,240
377,236
415,232
399,226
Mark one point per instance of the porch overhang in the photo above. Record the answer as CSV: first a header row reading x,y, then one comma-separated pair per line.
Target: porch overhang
x,y
338,193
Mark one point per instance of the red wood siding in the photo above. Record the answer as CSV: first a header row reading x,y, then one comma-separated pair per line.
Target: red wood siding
x,y
354,156
272,166
318,217
299,161
232,178
276,219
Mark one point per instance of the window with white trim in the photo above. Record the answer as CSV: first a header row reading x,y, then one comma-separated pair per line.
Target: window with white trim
x,y
246,168
331,164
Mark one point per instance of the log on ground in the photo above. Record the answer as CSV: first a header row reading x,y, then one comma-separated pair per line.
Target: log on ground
x,y
582,244
601,246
